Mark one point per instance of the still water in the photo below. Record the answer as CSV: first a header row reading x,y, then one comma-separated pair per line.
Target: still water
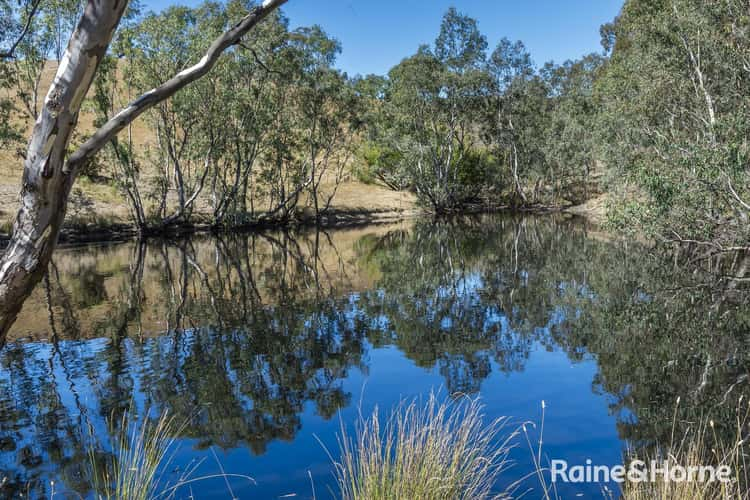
x,y
266,344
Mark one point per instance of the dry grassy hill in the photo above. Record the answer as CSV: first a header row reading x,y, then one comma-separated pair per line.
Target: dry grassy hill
x,y
109,205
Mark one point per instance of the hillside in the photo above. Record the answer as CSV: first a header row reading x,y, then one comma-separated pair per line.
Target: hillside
x,y
102,203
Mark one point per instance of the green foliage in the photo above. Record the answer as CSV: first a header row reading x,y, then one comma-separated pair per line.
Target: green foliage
x,y
674,119
272,124
14,17
425,123
380,164
627,217
475,170
460,45
660,118
9,133
459,126
570,147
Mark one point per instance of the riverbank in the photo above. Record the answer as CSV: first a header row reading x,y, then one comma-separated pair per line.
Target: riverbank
x,y
98,210
118,232
594,210
106,220
341,215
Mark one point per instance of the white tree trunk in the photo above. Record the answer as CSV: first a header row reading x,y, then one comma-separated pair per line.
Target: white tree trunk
x,y
45,185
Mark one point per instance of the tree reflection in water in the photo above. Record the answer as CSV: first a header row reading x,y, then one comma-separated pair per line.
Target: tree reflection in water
x,y
236,334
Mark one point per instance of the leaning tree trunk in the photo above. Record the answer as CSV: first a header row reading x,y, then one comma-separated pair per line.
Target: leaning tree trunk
x,y
46,180
48,176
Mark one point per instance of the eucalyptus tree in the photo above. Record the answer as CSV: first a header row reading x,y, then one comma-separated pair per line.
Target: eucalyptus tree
x,y
570,145
515,107
241,110
327,113
50,169
282,176
10,132
378,161
16,20
44,41
121,154
266,175
273,122
165,43
675,120
312,111
457,126
330,124
430,109
15,23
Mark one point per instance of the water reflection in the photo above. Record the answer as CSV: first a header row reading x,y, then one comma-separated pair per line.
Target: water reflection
x,y
239,335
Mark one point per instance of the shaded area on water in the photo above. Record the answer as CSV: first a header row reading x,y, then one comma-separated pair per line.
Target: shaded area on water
x,y
261,340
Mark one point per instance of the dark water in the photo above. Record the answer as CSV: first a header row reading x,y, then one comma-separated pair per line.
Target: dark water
x,y
267,344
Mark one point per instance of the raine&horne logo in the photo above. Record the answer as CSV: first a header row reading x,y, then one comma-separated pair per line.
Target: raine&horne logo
x,y
637,471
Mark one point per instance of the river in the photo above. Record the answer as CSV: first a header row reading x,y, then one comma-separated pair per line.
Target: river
x,y
267,344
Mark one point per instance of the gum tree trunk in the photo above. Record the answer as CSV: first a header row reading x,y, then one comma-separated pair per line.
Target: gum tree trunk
x,y
46,184
48,174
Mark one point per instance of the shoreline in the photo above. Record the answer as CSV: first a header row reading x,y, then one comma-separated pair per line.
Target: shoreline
x,y
117,233
121,232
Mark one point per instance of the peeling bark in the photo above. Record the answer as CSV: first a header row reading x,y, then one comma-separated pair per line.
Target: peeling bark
x,y
46,185
48,177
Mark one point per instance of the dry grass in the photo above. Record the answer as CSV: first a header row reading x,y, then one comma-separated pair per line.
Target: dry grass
x,y
139,454
439,450
435,451
142,453
696,447
110,205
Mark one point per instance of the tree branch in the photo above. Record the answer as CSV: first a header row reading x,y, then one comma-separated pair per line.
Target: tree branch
x,y
8,54
735,195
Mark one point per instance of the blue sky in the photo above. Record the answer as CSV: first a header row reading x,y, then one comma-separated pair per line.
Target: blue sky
x,y
377,34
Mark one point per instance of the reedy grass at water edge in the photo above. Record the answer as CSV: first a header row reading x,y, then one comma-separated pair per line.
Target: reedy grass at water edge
x,y
688,454
699,446
437,450
694,447
141,453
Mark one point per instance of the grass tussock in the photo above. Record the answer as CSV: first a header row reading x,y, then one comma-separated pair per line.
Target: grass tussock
x,y
698,446
433,450
140,451
437,450
141,454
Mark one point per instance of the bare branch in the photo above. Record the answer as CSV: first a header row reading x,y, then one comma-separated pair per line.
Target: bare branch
x,y
735,195
258,60
9,53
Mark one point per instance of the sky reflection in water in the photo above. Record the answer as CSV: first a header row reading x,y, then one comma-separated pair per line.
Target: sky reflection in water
x,y
267,343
